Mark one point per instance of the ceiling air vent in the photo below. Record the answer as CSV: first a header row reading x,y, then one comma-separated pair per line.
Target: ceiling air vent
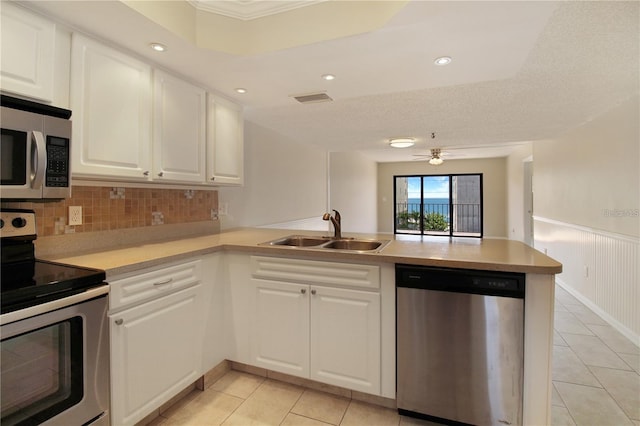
x,y
312,98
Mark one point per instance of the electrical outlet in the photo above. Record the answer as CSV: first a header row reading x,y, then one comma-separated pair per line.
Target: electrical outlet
x,y
75,215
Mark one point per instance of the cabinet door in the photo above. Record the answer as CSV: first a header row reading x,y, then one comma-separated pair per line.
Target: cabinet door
x,y
111,104
225,142
156,351
281,327
345,338
179,123
28,49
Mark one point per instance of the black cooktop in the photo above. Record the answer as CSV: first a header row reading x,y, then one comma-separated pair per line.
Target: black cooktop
x,y
33,282
26,281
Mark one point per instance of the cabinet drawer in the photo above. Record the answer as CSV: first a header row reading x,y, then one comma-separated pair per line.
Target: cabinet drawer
x,y
150,284
316,272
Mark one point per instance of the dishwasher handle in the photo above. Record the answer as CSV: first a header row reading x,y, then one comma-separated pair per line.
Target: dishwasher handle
x,y
492,283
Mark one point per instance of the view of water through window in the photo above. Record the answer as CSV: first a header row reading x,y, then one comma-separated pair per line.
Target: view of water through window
x,y
449,205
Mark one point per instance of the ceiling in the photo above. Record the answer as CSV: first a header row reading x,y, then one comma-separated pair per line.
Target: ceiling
x,y
521,71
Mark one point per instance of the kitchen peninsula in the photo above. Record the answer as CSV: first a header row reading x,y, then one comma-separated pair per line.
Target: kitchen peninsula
x,y
237,278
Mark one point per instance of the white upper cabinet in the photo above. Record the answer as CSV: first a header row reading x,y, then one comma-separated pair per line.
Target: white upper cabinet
x,y
179,125
111,104
225,142
134,123
28,51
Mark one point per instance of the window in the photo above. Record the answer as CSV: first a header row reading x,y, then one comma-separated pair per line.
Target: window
x,y
448,205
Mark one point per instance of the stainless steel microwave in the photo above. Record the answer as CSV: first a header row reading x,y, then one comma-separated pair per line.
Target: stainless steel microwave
x,y
35,160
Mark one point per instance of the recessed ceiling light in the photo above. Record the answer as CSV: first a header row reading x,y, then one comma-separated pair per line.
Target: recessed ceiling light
x,y
241,90
402,142
442,60
158,47
329,77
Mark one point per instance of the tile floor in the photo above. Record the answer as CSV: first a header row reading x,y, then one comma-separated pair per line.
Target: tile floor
x,y
596,381
596,378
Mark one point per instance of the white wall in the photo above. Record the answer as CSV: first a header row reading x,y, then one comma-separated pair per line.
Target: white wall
x,y
493,181
591,170
586,203
353,191
284,182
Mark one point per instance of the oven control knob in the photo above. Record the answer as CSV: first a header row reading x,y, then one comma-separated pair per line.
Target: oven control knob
x,y
19,222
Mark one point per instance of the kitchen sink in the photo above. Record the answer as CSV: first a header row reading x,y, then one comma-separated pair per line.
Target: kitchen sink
x,y
299,241
328,243
360,245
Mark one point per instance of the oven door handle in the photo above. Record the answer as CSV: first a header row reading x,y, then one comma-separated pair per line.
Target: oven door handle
x,y
38,159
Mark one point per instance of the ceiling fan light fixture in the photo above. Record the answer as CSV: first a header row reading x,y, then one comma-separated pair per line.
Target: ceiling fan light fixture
x,y
435,157
402,142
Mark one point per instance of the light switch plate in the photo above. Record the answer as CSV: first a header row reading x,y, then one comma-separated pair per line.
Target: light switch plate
x,y
75,215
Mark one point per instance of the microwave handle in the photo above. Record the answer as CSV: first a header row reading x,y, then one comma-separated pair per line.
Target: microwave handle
x,y
38,159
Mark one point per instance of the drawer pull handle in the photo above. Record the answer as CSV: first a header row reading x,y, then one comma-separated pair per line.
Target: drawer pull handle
x,y
303,291
119,321
313,291
163,282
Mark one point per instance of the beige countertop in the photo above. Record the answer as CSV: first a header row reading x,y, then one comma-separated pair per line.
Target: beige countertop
x,y
470,253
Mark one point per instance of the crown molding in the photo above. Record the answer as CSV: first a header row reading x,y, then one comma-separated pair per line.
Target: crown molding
x,y
247,10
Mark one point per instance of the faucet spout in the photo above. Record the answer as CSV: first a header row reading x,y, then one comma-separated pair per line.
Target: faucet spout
x,y
337,227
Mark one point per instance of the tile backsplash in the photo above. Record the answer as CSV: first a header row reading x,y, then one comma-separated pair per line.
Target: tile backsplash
x,y
111,208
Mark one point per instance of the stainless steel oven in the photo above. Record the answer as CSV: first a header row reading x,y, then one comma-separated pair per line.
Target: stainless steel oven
x,y
54,340
36,150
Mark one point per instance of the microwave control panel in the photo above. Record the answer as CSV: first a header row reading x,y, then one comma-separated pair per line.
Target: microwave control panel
x,y
57,162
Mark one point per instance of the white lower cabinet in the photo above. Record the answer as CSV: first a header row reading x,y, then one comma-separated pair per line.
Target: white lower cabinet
x,y
157,345
281,327
327,334
345,338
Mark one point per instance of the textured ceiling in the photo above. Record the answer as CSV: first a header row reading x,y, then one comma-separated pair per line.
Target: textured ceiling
x,y
521,71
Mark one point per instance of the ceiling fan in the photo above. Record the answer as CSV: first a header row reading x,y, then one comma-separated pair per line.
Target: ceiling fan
x,y
435,157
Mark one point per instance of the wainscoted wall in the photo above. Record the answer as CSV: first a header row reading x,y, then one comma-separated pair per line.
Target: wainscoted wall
x,y
601,269
108,209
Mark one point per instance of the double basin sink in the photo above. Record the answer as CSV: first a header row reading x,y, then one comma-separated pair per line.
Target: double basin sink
x,y
328,243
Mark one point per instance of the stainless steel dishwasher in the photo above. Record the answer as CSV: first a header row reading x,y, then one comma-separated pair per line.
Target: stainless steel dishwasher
x,y
460,345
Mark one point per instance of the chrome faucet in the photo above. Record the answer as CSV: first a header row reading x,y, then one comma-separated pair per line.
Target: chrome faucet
x,y
336,223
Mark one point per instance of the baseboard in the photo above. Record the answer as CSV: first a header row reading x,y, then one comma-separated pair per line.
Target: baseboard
x,y
626,332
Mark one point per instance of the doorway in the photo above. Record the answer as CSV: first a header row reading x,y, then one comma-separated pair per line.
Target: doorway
x,y
527,193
